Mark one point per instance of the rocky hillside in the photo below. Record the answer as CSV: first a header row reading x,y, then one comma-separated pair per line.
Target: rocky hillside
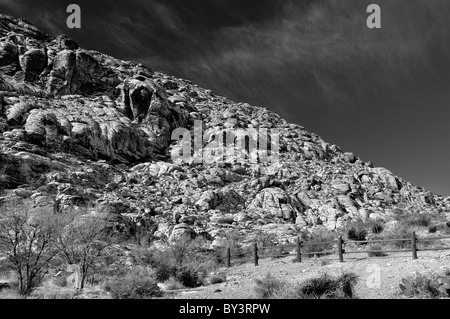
x,y
79,127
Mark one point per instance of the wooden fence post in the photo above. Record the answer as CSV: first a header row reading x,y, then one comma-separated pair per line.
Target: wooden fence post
x,y
256,254
414,245
299,250
340,250
229,257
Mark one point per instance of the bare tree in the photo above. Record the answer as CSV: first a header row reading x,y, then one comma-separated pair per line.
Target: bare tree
x,y
83,240
28,242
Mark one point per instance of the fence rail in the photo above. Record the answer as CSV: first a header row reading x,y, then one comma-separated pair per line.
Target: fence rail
x,y
339,249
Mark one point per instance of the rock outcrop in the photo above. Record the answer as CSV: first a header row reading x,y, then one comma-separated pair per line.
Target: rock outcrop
x,y
78,126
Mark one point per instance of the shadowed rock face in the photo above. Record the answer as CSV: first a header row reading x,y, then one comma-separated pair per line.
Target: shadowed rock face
x,y
78,126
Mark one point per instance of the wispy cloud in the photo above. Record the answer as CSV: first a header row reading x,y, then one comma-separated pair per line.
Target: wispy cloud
x,y
380,93
329,53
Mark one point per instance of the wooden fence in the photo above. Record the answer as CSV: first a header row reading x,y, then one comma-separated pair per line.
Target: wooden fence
x,y
340,251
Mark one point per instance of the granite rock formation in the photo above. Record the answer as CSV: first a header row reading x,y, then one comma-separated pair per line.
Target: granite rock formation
x,y
78,126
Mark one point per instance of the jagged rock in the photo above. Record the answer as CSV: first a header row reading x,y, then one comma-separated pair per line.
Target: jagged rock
x,y
329,215
60,79
42,128
66,43
79,72
181,232
275,202
387,177
33,63
341,188
225,175
161,168
9,57
348,204
17,113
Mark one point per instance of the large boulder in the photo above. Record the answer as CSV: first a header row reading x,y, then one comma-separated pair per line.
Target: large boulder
x,y
276,202
33,62
348,204
9,57
79,72
17,113
226,200
329,214
42,128
60,79
65,43
147,104
181,232
387,178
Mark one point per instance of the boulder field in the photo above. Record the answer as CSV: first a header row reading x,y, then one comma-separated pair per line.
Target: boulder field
x,y
79,127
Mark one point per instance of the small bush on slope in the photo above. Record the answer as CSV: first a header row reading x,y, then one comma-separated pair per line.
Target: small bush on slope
x,y
377,251
268,287
357,231
327,287
400,231
430,285
139,283
323,287
188,262
417,220
318,241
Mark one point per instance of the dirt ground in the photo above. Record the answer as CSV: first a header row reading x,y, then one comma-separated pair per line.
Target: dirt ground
x,y
379,277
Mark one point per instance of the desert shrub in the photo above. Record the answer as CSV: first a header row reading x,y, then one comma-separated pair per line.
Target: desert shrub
x,y
376,226
28,236
243,254
377,251
217,279
325,262
10,293
161,260
399,213
139,283
318,241
59,281
193,273
52,293
233,239
268,287
423,220
431,285
432,229
264,239
274,252
188,261
356,230
400,231
84,240
327,287
186,250
417,220
225,221
173,284
356,233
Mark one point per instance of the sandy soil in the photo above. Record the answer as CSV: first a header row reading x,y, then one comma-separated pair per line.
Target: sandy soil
x,y
379,277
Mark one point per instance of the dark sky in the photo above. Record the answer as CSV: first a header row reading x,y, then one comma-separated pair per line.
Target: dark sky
x,y
383,94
